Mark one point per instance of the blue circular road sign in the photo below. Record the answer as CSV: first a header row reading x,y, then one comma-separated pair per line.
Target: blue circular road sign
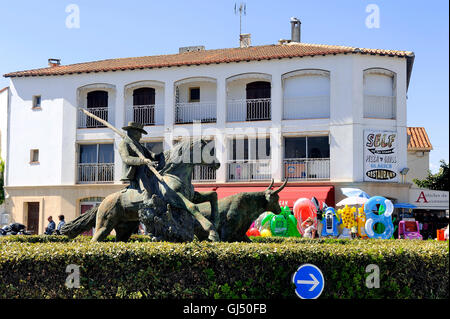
x,y
309,281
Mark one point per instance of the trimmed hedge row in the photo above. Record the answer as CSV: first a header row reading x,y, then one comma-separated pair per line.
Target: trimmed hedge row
x,y
408,269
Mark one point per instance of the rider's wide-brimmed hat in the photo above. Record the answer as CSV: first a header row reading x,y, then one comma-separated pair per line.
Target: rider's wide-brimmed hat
x,y
135,126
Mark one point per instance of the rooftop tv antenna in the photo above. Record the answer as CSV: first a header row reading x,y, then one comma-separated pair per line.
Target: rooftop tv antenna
x,y
242,10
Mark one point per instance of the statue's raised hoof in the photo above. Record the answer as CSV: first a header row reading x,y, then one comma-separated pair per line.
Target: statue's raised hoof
x,y
213,236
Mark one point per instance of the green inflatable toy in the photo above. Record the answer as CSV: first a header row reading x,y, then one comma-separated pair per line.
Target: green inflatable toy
x,y
282,225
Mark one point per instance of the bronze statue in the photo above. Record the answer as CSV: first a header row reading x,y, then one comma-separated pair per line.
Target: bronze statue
x,y
157,196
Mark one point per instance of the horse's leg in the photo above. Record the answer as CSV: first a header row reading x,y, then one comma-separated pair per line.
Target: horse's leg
x,y
107,217
206,224
125,230
211,197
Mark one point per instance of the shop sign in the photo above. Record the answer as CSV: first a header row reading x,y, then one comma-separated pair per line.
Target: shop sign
x,y
429,199
380,156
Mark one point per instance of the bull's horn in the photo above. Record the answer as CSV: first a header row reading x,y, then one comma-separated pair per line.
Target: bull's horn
x,y
270,186
281,187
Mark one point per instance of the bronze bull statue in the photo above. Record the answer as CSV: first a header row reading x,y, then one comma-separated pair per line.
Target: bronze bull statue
x,y
237,212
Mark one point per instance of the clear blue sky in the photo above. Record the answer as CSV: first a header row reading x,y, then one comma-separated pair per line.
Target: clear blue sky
x,y
33,31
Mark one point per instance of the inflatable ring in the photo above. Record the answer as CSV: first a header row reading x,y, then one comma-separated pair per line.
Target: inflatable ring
x,y
372,218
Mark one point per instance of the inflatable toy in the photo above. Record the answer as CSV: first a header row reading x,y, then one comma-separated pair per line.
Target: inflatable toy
x,y
361,222
292,230
304,208
347,216
258,221
266,233
284,224
330,223
384,207
278,226
409,230
253,232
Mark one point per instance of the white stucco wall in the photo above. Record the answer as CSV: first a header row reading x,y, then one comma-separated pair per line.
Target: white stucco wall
x,y
418,164
54,132
4,109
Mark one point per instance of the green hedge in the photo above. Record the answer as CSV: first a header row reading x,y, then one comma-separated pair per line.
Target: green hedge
x,y
408,269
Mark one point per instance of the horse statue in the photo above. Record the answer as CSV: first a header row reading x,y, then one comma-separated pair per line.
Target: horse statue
x,y
123,210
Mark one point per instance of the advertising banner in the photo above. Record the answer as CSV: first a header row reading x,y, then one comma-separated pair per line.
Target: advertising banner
x,y
429,199
380,156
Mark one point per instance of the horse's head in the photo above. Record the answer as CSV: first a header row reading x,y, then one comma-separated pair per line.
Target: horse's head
x,y
192,151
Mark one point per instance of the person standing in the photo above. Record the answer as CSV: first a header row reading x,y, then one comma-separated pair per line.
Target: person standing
x,y
50,227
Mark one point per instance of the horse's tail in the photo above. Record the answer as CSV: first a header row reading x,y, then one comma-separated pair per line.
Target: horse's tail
x,y
82,223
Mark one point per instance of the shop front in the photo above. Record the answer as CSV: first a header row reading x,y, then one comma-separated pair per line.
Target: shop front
x,y
431,210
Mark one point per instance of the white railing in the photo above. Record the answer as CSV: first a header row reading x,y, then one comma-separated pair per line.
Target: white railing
x,y
380,107
205,112
249,170
203,173
248,110
85,121
146,114
307,169
306,107
91,173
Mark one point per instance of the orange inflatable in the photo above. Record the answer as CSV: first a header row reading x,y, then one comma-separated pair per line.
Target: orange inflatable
x,y
304,208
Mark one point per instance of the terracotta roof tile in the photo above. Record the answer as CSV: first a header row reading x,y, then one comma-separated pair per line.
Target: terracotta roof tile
x,y
255,53
418,140
4,89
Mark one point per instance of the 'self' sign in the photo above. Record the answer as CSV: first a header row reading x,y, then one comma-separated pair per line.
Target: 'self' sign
x,y
380,156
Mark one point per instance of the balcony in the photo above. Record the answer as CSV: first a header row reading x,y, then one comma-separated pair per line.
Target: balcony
x,y
249,110
85,121
306,107
380,107
249,170
204,112
307,169
92,173
147,114
203,173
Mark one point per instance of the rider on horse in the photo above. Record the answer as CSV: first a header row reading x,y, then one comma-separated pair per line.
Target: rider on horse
x,y
135,170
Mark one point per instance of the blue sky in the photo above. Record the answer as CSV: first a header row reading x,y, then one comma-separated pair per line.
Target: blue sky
x,y
33,31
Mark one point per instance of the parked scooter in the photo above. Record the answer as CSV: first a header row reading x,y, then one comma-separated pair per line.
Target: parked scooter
x,y
14,229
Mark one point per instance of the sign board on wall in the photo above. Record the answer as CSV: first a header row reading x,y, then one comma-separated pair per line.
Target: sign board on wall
x,y
380,156
429,199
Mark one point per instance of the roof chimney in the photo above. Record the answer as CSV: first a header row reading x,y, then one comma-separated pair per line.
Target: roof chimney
x,y
54,62
295,29
244,40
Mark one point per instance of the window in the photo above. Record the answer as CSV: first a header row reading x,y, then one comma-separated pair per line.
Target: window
x,y
306,147
307,158
96,99
379,94
250,149
96,163
36,102
194,94
34,156
144,106
306,95
144,96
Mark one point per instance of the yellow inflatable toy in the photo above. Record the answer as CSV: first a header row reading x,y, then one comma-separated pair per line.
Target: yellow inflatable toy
x,y
361,221
348,217
266,233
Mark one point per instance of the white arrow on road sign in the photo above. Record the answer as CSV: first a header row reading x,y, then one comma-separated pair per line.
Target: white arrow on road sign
x,y
314,282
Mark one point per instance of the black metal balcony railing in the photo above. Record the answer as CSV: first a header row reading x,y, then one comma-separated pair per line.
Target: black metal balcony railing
x,y
95,173
85,121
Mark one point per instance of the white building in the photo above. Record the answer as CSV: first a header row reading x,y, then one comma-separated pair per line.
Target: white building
x,y
318,106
